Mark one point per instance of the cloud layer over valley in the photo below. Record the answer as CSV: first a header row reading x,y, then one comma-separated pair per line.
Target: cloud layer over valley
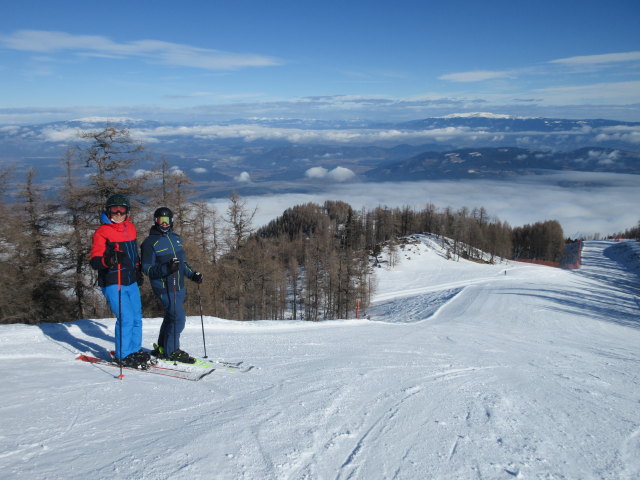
x,y
581,201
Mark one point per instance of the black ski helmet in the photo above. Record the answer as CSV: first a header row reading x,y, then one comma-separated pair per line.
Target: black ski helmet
x,y
117,200
163,212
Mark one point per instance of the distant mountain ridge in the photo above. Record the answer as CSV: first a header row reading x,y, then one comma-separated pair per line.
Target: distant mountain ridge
x,y
259,155
512,123
505,162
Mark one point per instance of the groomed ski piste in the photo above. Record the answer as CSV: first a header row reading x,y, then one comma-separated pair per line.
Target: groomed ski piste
x,y
463,371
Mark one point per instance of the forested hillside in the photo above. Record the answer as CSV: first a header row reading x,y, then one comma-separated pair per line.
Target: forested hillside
x,y
313,262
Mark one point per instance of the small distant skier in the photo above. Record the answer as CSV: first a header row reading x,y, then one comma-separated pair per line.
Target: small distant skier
x,y
114,254
164,261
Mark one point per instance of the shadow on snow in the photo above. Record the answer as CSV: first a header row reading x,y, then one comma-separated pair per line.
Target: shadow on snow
x,y
412,309
63,334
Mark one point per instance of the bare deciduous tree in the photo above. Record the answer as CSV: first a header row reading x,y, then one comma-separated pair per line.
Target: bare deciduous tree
x,y
239,219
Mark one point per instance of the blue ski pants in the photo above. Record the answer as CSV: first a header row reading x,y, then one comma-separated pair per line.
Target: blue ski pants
x,y
174,318
129,323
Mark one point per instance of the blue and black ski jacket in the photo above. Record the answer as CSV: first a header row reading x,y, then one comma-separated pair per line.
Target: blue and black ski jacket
x,y
158,249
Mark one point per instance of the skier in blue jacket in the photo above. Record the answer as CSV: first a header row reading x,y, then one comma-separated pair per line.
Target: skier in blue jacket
x,y
165,263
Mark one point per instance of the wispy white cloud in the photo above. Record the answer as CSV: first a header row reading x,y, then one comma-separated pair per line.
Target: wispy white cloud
x,y
604,158
107,119
167,53
251,132
578,63
629,134
475,76
61,135
191,95
605,92
254,132
620,102
599,59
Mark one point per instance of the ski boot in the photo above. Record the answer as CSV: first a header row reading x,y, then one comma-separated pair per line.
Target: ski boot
x,y
132,361
158,352
181,356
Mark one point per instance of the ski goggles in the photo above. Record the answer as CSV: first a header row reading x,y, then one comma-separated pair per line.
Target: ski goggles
x,y
163,220
118,210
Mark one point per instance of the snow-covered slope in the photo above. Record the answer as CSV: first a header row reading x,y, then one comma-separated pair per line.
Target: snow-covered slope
x,y
463,371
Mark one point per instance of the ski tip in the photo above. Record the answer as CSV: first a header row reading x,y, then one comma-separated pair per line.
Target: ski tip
x,y
87,358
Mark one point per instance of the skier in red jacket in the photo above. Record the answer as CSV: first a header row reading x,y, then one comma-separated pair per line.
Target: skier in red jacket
x,y
114,254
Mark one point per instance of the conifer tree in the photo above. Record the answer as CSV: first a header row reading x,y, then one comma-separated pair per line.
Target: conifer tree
x,y
30,263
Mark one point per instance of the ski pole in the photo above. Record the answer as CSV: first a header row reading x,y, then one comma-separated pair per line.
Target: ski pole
x,y
117,249
175,317
204,343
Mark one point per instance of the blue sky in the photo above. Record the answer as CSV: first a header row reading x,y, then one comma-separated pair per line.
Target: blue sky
x,y
346,60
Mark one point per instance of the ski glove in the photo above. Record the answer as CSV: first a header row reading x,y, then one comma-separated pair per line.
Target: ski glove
x,y
197,277
112,259
173,265
139,277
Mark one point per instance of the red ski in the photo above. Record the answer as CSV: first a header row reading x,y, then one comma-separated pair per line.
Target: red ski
x,y
182,371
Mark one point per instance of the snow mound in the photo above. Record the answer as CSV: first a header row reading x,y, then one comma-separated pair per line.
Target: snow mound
x,y
425,271
413,308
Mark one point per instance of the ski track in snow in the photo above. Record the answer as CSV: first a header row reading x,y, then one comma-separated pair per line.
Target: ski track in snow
x,y
464,372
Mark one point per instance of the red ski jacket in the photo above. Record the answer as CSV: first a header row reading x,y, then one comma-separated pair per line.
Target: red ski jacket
x,y
121,237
